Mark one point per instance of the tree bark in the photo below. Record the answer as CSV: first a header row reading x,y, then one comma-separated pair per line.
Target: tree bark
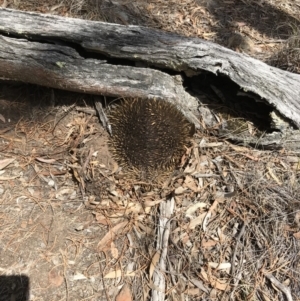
x,y
131,61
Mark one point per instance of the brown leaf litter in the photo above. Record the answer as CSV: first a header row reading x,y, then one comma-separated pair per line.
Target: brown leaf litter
x,y
234,233
223,237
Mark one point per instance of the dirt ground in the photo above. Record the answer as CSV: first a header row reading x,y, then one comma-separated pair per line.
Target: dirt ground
x,y
72,228
46,231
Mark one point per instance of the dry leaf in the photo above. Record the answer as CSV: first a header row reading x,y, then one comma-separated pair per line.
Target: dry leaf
x,y
153,264
190,183
134,207
273,175
214,281
192,209
144,228
297,235
49,161
113,274
180,190
4,4
64,193
185,239
119,273
220,266
191,168
114,251
101,219
110,236
78,276
197,221
223,237
115,167
209,213
214,205
204,275
124,294
8,178
208,244
24,224
55,278
5,162
209,34
193,291
297,218
219,284
152,203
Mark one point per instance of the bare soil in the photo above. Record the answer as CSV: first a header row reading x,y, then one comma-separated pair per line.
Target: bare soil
x,y
46,231
72,227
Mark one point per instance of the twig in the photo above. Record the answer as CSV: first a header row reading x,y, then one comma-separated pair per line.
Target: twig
x,y
102,116
159,286
64,114
235,249
283,288
65,275
87,160
102,277
85,110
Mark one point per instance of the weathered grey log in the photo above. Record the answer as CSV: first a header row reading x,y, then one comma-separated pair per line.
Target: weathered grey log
x,y
32,56
62,67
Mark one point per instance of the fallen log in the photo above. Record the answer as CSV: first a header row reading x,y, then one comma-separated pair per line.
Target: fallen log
x,y
132,61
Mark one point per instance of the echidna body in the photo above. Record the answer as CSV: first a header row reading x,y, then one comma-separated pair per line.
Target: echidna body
x,y
148,135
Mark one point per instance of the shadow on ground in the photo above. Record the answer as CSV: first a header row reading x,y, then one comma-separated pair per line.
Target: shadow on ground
x,y
14,287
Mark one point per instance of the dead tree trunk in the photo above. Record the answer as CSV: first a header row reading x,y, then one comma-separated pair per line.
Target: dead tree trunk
x,y
132,61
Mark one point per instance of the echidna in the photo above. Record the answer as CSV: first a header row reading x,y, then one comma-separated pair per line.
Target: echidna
x,y
148,135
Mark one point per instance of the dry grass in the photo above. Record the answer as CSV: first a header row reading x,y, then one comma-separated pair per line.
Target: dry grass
x,y
235,231
288,56
226,245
